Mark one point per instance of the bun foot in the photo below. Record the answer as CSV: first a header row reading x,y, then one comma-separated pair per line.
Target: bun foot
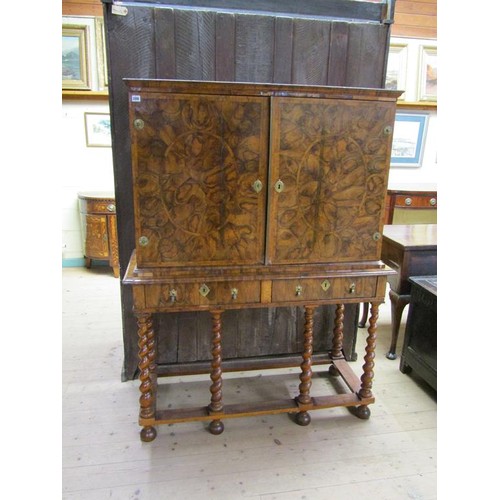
x,y
216,427
363,412
303,418
148,434
391,355
333,371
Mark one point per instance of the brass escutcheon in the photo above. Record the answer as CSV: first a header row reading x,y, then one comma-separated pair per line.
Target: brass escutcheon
x,y
173,295
143,241
325,285
352,288
376,236
298,290
204,290
257,186
234,293
387,130
279,186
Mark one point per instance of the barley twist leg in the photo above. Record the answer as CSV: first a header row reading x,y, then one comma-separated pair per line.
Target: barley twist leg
x,y
216,426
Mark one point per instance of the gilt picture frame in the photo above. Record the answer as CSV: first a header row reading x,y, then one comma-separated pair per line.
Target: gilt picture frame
x,y
427,85
75,57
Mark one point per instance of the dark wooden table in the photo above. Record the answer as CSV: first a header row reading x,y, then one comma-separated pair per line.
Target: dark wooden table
x,y
420,344
411,250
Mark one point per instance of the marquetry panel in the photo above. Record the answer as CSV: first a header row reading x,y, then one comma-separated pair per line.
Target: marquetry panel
x,y
330,165
196,162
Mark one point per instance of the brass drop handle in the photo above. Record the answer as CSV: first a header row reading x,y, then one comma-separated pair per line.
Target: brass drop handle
x,y
173,295
234,293
408,201
298,290
352,288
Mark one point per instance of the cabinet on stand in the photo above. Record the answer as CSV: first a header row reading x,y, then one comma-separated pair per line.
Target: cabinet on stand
x,y
257,196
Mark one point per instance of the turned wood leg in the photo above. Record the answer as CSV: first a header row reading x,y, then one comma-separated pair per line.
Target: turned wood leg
x,y
303,417
398,303
147,373
338,338
365,390
216,406
364,317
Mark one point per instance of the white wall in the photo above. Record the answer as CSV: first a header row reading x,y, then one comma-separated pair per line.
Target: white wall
x,y
84,169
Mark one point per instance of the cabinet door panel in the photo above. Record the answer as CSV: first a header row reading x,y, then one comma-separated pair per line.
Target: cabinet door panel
x,y
196,159
330,162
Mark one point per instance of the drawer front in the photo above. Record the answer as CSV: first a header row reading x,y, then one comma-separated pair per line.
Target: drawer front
x,y
199,294
102,206
416,201
296,290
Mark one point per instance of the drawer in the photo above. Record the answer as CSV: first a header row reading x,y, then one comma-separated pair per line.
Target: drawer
x,y
416,201
103,206
296,290
199,294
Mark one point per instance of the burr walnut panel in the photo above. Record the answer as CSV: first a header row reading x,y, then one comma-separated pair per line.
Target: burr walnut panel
x,y
199,161
331,159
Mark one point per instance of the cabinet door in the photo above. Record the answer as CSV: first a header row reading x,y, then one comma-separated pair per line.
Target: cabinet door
x,y
199,162
329,169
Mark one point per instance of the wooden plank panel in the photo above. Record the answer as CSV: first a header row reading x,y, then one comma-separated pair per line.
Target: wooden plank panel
x,y
253,59
424,7
283,38
422,21
225,47
195,45
165,43
311,46
337,61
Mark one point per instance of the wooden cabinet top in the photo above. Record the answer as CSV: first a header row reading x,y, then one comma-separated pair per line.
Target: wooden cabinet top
x,y
409,236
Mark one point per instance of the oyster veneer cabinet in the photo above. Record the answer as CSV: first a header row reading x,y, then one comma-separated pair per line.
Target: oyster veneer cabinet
x,y
257,196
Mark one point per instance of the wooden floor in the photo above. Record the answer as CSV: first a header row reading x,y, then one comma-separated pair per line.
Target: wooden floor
x,y
390,456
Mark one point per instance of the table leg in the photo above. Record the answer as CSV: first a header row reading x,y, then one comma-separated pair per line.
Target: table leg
x,y
338,337
147,375
365,391
216,426
364,317
398,303
303,417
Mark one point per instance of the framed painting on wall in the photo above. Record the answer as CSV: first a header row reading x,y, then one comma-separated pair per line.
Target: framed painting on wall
x,y
409,139
396,68
427,87
75,57
98,130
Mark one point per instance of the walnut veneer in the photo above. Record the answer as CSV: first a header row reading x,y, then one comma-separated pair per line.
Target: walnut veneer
x,y
257,195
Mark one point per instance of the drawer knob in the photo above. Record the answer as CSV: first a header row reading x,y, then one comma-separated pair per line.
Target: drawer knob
x,y
234,293
173,295
433,201
388,130
298,290
408,201
138,124
352,288
111,207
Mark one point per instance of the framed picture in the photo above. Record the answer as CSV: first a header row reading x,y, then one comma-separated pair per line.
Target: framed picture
x,y
396,68
98,130
427,87
75,57
102,70
409,139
